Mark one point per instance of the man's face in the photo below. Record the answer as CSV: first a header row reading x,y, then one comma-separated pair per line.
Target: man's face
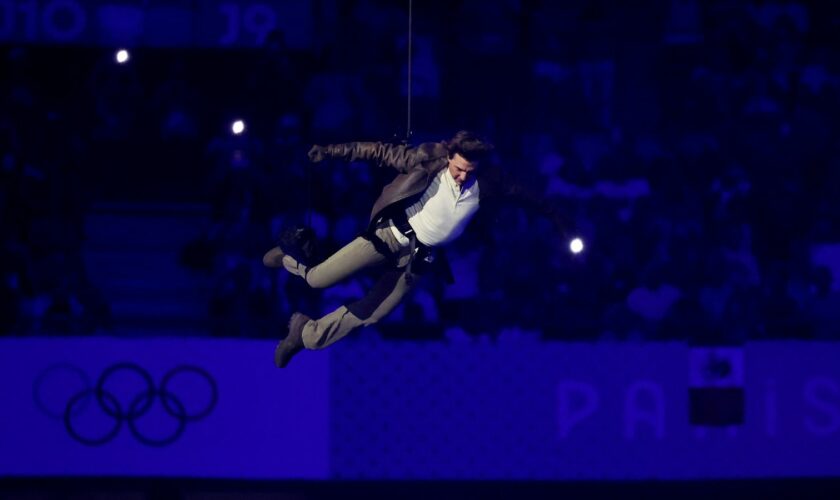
x,y
461,169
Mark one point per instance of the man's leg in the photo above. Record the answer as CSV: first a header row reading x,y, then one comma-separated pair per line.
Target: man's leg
x,y
391,287
385,295
356,255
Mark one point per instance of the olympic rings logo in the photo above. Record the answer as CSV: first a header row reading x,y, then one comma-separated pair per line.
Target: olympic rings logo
x,y
122,411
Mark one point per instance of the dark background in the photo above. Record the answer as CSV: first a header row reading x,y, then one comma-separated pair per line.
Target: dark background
x,y
693,144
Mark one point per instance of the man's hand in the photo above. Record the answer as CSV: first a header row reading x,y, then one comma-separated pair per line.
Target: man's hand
x,y
317,153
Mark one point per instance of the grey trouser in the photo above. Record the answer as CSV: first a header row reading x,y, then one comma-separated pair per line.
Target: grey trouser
x,y
385,295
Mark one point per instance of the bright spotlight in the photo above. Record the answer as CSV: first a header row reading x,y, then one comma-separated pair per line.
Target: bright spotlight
x,y
237,127
122,56
576,245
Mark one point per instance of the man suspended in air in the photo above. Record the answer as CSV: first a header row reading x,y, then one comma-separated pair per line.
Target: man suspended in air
x,y
435,194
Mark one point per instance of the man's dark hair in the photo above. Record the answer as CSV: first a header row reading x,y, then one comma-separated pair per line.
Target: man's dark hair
x,y
470,145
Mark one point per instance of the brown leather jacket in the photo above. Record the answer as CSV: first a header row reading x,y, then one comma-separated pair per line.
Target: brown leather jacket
x,y
417,167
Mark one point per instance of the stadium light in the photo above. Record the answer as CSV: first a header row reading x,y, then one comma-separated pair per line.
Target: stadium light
x,y
122,56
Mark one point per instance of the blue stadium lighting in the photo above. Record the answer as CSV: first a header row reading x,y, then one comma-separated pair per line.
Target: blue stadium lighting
x,y
576,245
237,127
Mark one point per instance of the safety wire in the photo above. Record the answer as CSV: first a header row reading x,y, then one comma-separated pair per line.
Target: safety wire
x,y
408,94
309,193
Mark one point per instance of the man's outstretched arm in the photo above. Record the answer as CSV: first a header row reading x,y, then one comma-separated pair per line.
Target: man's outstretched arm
x,y
400,157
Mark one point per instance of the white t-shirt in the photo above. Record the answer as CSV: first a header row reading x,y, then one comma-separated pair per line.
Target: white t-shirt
x,y
443,211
